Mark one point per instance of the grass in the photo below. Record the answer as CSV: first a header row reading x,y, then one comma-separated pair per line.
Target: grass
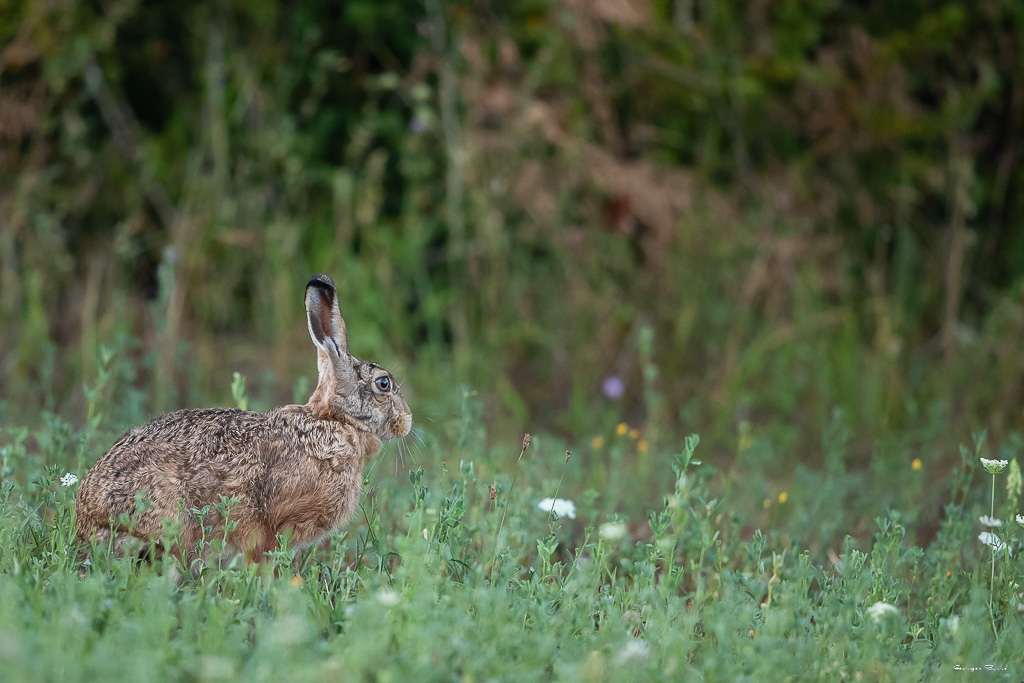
x,y
617,244
452,572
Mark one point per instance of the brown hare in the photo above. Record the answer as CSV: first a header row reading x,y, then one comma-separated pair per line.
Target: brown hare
x,y
297,470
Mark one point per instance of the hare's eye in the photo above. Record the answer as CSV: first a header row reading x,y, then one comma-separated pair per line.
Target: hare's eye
x,y
383,384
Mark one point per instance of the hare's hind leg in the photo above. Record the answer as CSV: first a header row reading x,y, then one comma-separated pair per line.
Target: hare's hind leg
x,y
98,539
116,543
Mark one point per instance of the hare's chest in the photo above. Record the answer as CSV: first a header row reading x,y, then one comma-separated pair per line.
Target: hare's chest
x,y
317,497
340,483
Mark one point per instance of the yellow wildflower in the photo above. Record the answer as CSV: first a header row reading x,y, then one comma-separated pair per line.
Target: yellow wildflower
x,y
622,429
634,434
641,446
916,465
783,497
598,442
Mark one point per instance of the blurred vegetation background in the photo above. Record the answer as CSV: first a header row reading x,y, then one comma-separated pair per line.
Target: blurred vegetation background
x,y
774,222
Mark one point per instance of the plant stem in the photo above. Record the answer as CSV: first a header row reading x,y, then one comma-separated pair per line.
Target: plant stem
x,y
992,576
494,554
568,454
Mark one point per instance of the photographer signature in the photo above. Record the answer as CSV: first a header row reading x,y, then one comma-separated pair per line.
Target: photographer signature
x,y
987,667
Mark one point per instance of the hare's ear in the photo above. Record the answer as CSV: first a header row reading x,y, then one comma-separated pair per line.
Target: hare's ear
x,y
337,374
326,326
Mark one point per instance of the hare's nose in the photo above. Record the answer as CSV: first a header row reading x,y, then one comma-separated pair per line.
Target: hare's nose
x,y
400,425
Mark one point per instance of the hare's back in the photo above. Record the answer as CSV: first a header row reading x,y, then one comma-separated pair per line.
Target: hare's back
x,y
188,436
189,454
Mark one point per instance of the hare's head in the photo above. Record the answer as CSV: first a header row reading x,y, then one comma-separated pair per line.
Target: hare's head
x,y
349,387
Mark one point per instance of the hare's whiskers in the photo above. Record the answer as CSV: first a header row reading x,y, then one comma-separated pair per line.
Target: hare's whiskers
x,y
410,451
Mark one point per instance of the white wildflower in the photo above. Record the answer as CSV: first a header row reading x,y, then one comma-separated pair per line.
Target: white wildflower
x,y
212,667
994,466
612,531
991,540
879,610
666,546
560,506
69,479
634,650
1020,519
990,521
290,629
388,597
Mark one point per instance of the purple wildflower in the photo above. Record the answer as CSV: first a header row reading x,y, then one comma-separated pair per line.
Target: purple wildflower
x,y
612,386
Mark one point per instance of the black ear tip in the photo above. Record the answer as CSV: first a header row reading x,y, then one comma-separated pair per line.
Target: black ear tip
x,y
321,281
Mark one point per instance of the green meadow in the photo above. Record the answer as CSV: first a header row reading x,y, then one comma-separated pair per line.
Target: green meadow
x,y
709,315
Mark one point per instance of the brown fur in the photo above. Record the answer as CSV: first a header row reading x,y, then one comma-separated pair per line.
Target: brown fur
x,y
297,470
